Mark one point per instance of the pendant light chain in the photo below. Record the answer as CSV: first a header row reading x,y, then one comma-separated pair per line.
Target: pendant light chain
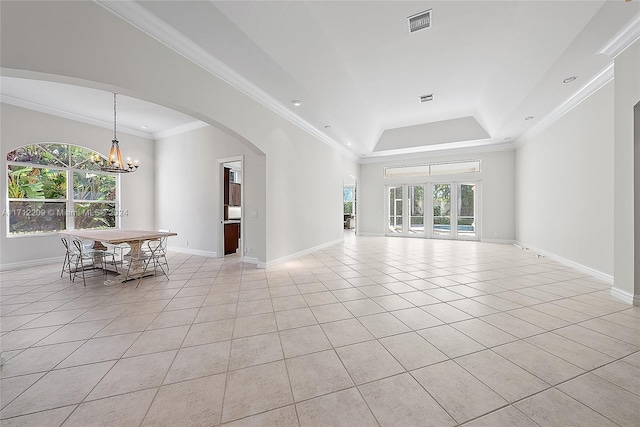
x,y
114,117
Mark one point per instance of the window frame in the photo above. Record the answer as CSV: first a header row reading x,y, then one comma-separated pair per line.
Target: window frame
x,y
68,200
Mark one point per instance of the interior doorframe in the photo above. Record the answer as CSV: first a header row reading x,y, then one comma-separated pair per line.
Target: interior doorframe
x,y
220,244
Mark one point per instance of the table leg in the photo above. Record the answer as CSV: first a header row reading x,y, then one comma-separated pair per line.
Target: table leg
x,y
136,264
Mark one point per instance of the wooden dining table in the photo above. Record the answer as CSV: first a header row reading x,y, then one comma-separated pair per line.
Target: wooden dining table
x,y
134,238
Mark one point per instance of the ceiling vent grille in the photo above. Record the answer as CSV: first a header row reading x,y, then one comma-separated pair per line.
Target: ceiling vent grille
x,y
420,21
426,98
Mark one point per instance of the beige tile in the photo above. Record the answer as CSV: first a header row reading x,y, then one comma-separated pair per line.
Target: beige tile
x,y
52,417
133,374
472,307
561,312
127,409
38,359
58,388
597,341
295,318
412,351
343,408
484,333
570,351
194,403
20,339
288,302
401,401
368,361
250,308
621,374
506,417
126,325
255,350
74,332
416,318
256,389
281,417
199,361
254,325
375,290
170,319
383,324
315,374
613,330
145,307
344,332
363,307
10,388
540,363
208,332
462,395
158,340
538,318
555,409
512,325
449,341
308,288
392,302
508,380
215,312
419,298
186,302
53,318
299,341
446,312
100,350
330,312
222,298
320,298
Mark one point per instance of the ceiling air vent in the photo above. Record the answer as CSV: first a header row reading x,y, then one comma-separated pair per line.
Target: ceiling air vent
x,y
420,21
425,98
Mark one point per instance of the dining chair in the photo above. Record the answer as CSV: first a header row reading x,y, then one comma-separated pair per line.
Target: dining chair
x,y
70,257
151,254
92,256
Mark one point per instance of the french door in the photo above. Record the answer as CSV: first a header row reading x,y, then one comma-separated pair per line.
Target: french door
x,y
440,210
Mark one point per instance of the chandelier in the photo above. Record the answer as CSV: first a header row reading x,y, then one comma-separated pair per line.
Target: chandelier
x,y
114,162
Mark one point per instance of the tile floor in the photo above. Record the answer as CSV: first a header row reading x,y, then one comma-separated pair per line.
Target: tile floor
x,y
374,331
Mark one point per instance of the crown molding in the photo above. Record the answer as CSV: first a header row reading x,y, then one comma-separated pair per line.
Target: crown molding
x,y
592,86
156,28
437,152
623,38
29,105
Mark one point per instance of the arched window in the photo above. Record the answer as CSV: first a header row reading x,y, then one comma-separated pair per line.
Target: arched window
x,y
53,187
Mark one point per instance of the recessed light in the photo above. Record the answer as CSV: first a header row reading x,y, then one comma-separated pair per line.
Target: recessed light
x,y
349,144
327,126
529,118
570,79
296,102
144,127
508,138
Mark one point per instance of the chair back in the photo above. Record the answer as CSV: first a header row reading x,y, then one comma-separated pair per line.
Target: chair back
x,y
163,240
79,246
65,242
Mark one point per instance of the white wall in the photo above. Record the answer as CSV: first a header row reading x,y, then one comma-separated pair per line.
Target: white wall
x,y
82,43
497,191
627,95
564,185
23,127
188,189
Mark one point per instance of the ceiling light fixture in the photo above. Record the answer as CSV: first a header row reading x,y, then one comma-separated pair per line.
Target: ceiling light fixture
x,y
529,118
349,144
296,102
144,127
426,98
508,138
570,79
327,126
114,163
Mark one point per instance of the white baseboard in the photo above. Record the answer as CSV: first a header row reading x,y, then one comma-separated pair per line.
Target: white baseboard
x,y
31,263
252,260
607,278
499,241
368,234
192,251
298,254
625,296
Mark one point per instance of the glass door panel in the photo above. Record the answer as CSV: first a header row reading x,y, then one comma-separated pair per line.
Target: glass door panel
x,y
395,223
442,209
416,209
466,210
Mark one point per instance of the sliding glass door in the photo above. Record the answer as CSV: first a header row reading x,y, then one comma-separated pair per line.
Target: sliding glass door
x,y
405,210
448,213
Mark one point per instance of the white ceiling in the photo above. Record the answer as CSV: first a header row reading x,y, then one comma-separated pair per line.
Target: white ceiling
x,y
356,68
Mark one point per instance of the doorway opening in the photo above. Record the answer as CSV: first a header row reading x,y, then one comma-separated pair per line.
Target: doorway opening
x,y
232,200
